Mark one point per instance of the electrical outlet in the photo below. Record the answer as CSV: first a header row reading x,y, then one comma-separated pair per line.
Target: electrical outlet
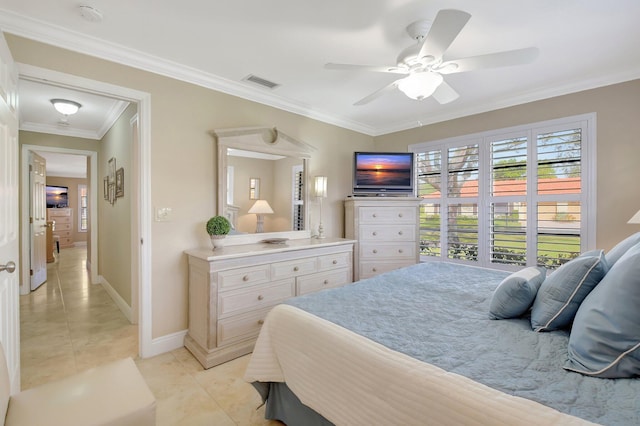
x,y
163,214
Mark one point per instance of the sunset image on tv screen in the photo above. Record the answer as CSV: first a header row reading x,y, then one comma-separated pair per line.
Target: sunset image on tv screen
x,y
378,169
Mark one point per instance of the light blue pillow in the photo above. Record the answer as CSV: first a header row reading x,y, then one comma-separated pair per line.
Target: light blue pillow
x,y
605,339
562,292
621,248
515,294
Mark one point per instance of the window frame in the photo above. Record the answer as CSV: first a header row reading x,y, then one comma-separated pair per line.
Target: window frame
x,y
82,187
587,196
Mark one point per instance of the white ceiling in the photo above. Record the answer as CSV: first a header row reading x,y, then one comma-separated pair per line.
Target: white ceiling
x,y
583,44
65,165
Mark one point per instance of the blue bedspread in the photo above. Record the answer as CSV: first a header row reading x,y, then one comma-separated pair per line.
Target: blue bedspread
x,y
438,313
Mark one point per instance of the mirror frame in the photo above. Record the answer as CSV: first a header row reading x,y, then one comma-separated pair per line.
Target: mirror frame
x,y
268,140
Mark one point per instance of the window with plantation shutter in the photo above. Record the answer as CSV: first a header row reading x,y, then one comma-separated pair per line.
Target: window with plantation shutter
x,y
509,198
297,202
462,202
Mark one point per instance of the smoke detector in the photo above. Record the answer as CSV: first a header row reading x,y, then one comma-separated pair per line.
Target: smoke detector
x,y
90,13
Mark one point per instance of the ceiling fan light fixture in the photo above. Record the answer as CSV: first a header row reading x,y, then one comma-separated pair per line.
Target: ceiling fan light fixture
x,y
65,106
420,85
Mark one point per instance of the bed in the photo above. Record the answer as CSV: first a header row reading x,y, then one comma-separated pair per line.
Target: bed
x,y
417,346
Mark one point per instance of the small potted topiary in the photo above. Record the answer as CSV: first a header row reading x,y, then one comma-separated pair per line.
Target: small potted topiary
x,y
218,227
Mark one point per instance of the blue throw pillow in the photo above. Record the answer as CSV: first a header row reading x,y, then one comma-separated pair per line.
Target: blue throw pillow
x,y
562,292
515,294
621,248
605,338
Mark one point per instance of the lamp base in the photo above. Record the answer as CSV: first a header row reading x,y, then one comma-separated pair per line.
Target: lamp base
x,y
259,223
321,231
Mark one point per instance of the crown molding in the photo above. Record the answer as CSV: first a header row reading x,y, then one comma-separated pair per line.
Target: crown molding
x,y
517,99
44,32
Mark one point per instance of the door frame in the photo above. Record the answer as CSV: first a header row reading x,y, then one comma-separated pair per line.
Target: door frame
x,y
143,234
25,286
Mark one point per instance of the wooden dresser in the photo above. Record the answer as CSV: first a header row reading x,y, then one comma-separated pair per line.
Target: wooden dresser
x,y
232,289
387,233
63,227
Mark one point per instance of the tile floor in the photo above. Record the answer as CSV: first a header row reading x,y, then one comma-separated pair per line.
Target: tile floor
x,y
69,325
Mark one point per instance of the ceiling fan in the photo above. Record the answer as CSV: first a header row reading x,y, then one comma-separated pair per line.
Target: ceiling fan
x,y
423,62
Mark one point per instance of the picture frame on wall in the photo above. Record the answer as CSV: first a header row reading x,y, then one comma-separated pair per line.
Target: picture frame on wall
x,y
105,186
112,193
120,182
112,170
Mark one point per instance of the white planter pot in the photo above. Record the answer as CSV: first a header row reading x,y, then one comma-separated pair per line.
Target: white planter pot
x,y
217,241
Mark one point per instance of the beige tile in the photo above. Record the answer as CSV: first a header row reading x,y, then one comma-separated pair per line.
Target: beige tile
x,y
69,325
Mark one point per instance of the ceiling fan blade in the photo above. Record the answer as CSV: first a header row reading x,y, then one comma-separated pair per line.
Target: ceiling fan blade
x,y
386,89
445,94
445,28
491,60
373,68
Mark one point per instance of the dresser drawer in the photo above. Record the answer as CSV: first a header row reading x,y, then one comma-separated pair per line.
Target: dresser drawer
x,y
333,261
402,214
241,327
65,241
59,226
254,297
388,250
388,233
319,281
293,268
369,269
243,277
58,213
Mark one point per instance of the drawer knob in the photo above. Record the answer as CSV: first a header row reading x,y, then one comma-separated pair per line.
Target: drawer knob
x,y
260,322
375,233
400,251
295,269
399,214
335,262
399,232
260,297
374,215
375,251
245,278
325,282
374,270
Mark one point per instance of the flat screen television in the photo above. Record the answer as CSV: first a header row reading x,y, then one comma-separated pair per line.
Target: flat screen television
x,y
57,196
383,173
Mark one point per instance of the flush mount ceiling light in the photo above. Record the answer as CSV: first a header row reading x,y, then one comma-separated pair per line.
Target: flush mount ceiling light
x,y
66,107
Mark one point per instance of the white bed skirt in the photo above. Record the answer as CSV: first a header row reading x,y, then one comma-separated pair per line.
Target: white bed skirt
x,y
351,380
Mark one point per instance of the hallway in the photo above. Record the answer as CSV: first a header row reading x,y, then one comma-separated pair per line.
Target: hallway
x,y
69,325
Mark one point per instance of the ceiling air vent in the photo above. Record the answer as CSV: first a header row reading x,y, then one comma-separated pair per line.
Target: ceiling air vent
x,y
260,81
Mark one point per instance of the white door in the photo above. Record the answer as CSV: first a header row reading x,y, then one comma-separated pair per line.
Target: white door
x,y
38,219
9,262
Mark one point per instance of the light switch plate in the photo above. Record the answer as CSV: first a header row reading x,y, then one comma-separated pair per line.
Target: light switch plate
x,y
163,214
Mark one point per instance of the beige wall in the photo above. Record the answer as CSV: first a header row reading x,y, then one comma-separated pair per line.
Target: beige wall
x,y
72,184
183,161
114,220
618,145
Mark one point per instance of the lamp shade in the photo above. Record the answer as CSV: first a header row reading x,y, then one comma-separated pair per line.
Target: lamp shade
x,y
320,186
66,107
261,207
635,218
420,85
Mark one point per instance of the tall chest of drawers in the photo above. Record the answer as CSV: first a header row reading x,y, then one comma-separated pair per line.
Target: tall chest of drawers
x,y
63,226
387,233
231,290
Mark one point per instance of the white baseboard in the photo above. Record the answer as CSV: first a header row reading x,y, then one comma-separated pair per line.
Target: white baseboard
x,y
167,343
120,302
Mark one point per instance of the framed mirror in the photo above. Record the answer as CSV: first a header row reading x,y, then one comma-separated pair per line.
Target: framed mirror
x,y
276,167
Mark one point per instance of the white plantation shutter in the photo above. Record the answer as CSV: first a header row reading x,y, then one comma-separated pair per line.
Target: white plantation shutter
x,y
462,202
508,201
509,198
429,178
558,194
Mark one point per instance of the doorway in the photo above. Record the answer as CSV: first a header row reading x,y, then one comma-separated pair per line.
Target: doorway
x,y
140,210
